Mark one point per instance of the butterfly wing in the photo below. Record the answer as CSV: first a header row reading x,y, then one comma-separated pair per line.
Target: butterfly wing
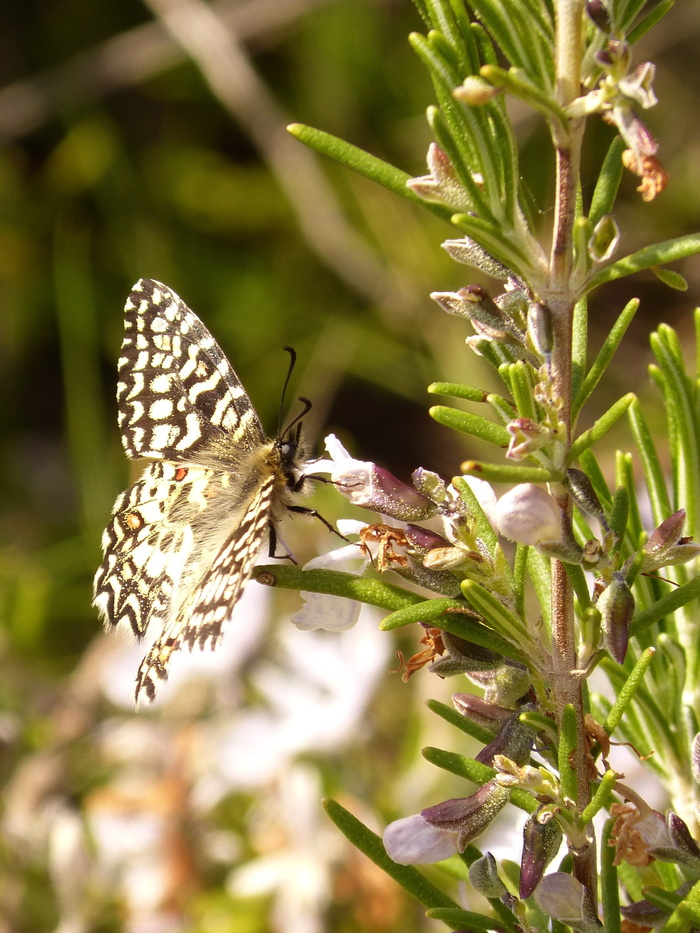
x,y
201,618
148,545
176,390
183,539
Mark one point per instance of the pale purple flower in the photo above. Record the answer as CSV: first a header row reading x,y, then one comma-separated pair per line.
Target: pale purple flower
x,y
413,841
527,514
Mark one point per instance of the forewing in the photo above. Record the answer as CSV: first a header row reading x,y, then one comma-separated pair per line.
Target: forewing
x,y
201,619
176,389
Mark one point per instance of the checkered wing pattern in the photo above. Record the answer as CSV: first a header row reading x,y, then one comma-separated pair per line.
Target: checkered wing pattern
x,y
183,539
176,389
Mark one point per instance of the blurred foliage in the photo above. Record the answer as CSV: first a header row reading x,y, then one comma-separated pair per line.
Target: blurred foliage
x,y
118,161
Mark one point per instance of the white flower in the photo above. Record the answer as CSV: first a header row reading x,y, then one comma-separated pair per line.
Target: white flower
x,y
527,514
324,611
413,841
350,474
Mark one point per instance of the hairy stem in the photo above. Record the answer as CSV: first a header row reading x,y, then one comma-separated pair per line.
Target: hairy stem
x,y
566,684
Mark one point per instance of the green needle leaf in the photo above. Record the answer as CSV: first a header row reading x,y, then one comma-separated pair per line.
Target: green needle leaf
x,y
424,891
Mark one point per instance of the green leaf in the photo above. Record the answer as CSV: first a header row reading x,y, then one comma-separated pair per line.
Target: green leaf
x,y
463,919
653,472
449,615
496,614
462,132
512,252
510,473
475,772
610,891
424,891
590,467
463,723
500,407
656,255
601,797
521,380
626,479
517,83
605,355
457,390
630,687
649,21
608,182
668,604
600,428
568,741
686,916
684,422
365,164
523,32
469,423
619,513
337,583
579,346
672,279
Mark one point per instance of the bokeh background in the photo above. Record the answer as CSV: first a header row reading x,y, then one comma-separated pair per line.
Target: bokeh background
x,y
147,139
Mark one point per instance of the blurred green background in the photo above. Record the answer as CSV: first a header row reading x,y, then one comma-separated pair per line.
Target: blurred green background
x,y
123,158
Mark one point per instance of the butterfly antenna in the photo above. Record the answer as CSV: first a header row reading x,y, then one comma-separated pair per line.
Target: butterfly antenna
x,y
305,401
290,369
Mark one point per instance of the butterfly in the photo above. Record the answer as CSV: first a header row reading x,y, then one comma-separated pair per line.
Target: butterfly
x,y
182,541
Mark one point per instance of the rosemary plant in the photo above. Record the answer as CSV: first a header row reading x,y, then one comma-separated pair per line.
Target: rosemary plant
x,y
588,549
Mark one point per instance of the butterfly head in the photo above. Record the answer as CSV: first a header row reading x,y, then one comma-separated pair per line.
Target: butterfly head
x,y
289,444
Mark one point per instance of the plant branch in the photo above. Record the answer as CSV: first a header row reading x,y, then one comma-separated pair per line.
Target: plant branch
x,y
568,688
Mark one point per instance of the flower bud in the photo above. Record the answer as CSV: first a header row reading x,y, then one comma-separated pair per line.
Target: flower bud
x,y
529,515
526,435
616,607
480,711
604,240
372,487
562,897
468,817
681,838
483,875
421,540
475,91
463,657
542,837
442,184
540,328
598,13
505,684
514,740
470,253
666,547
429,484
584,495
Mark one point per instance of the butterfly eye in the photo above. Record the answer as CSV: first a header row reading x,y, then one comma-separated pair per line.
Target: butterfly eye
x,y
288,451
